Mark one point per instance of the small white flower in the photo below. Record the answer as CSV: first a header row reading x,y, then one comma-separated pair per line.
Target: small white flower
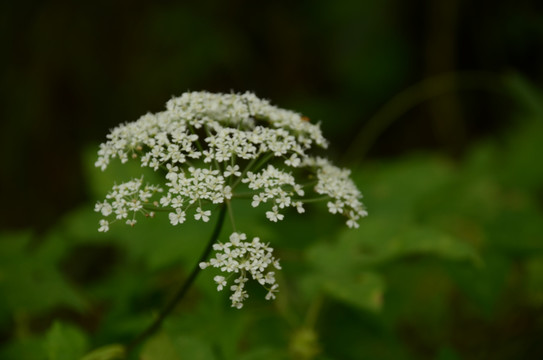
x,y
221,282
270,295
232,170
352,223
335,207
257,199
204,215
104,226
177,217
274,215
105,208
236,239
293,161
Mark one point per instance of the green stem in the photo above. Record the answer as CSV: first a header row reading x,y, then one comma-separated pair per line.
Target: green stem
x,y
414,95
231,214
313,311
244,195
244,172
322,198
264,160
157,209
182,290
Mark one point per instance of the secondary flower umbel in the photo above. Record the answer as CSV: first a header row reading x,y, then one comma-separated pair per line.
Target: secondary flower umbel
x,y
244,258
213,148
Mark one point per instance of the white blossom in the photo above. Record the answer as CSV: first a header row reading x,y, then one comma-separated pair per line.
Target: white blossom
x,y
221,282
247,259
124,199
336,184
232,170
104,225
274,215
177,217
204,215
211,149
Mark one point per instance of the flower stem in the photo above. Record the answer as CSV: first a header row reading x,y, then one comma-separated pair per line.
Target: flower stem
x,y
183,289
317,199
231,214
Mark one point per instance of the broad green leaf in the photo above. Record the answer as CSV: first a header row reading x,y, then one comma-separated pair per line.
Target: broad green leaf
x,y
100,182
417,297
534,280
30,280
154,241
447,353
395,190
193,348
517,232
180,347
377,241
347,333
25,348
362,290
108,352
64,342
483,284
264,353
160,347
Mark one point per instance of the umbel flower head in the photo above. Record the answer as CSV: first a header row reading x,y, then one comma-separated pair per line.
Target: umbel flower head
x,y
212,148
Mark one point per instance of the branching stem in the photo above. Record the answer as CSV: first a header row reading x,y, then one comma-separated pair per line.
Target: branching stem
x,y
183,289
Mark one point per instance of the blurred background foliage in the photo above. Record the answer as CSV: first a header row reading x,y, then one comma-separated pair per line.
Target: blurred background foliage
x,y
435,105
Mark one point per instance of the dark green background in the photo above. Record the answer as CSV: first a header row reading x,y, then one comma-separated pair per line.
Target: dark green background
x,y
71,70
436,106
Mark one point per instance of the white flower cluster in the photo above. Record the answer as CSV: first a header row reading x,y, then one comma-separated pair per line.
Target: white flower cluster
x,y
125,199
276,185
244,258
336,184
236,126
213,148
194,186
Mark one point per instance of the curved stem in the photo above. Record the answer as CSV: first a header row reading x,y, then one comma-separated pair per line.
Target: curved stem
x,y
183,289
414,95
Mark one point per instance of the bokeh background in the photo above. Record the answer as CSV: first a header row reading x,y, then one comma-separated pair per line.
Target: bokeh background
x,y
437,106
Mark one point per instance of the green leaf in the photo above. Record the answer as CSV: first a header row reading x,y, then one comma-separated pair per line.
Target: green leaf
x,y
517,232
534,280
395,190
378,241
166,347
363,290
100,182
264,354
447,353
193,348
64,342
160,347
483,284
25,348
108,352
30,280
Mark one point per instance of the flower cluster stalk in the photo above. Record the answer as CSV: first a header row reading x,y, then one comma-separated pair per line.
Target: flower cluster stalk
x,y
156,324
